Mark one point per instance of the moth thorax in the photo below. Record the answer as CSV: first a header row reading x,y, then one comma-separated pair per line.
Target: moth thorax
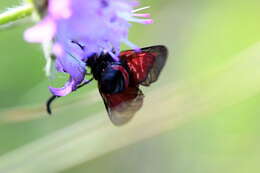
x,y
114,79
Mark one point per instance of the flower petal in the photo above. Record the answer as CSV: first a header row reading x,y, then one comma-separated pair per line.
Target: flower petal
x,y
68,88
98,26
43,31
60,8
75,68
72,65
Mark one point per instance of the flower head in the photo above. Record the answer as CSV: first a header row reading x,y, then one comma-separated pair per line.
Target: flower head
x,y
97,25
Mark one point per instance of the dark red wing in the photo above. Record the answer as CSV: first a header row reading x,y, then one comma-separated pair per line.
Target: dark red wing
x,y
121,107
145,66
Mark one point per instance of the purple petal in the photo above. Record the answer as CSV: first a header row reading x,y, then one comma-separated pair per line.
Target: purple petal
x,y
68,88
72,65
43,31
60,8
99,25
75,68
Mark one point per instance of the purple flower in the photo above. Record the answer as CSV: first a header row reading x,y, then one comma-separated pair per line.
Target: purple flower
x,y
98,25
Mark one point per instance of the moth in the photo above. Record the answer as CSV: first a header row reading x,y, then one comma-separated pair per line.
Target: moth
x,y
119,81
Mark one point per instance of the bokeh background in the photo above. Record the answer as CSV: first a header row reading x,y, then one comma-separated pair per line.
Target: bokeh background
x,y
209,90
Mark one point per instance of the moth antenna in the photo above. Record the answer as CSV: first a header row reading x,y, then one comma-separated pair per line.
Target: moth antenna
x,y
48,104
77,43
85,83
52,98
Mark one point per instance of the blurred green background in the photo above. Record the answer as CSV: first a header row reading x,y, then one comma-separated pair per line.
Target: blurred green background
x,y
201,36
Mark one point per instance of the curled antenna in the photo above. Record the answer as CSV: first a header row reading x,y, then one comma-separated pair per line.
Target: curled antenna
x,y
48,104
52,98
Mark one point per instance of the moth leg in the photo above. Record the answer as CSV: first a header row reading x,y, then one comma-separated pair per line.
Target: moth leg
x,y
52,98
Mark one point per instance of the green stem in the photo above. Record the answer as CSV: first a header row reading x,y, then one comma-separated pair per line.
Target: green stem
x,y
16,13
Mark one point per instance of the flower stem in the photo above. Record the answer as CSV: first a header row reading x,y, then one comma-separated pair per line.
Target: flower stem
x,y
14,14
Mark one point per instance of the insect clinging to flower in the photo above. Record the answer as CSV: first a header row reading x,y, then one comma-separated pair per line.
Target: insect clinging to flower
x,y
118,81
88,34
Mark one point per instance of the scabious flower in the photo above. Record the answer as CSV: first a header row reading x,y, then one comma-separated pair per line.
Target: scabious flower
x,y
97,25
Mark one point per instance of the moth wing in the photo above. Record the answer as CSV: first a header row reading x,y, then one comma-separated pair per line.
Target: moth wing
x,y
146,65
121,107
